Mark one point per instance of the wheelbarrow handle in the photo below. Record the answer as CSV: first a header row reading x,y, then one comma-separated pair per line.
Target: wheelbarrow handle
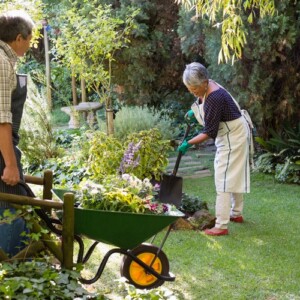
x,y
187,131
27,188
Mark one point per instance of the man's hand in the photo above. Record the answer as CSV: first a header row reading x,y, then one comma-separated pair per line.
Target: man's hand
x,y
11,175
184,147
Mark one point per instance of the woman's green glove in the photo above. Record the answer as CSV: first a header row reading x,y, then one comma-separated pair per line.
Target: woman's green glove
x,y
190,117
184,147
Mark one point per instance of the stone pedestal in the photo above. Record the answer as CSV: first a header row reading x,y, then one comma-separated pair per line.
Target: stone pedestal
x,y
87,109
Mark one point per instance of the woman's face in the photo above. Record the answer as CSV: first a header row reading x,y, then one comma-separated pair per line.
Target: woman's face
x,y
198,90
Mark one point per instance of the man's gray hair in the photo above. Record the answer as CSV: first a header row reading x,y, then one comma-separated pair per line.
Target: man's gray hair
x,y
13,23
194,74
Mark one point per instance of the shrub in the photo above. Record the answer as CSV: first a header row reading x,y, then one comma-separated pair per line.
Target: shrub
x,y
108,156
152,153
39,280
191,204
37,139
105,156
95,155
131,119
70,167
282,155
58,117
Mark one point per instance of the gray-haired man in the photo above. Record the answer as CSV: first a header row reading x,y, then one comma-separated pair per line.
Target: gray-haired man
x,y
15,36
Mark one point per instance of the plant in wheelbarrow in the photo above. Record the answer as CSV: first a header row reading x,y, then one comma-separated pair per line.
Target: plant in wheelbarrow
x,y
125,193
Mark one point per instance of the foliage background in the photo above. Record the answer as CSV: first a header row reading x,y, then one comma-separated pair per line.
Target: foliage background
x,y
166,37
266,80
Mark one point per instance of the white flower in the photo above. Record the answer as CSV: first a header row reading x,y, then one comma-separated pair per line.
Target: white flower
x,y
126,177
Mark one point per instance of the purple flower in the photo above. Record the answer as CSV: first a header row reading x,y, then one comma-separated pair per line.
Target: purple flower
x,y
156,187
129,160
165,208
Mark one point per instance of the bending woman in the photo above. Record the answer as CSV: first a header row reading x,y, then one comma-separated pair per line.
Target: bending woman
x,y
224,122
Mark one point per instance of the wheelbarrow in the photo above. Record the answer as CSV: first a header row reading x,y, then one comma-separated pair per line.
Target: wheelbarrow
x,y
144,265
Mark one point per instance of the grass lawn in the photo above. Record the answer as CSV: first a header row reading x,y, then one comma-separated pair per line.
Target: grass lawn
x,y
259,259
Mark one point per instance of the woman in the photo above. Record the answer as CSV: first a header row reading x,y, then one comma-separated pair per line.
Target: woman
x,y
224,122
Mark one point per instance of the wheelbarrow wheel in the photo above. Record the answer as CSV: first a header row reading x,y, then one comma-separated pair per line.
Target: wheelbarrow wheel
x,y
140,277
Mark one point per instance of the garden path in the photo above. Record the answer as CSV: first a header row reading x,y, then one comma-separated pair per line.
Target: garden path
x,y
196,163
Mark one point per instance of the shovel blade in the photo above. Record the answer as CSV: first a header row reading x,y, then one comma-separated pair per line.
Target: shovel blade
x,y
171,190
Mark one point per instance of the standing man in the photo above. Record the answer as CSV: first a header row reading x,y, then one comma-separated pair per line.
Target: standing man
x,y
15,36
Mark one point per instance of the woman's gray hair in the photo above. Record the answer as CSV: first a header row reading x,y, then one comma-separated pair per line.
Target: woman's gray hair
x,y
194,74
13,23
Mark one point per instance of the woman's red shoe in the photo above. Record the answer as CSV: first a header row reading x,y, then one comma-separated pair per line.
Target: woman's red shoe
x,y
238,219
216,231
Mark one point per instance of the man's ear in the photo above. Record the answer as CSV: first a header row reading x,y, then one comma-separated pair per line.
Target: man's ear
x,y
19,37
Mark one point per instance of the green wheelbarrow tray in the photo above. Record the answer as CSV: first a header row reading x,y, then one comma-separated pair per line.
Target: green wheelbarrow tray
x,y
121,229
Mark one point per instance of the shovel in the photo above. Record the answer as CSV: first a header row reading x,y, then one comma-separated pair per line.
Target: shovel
x,y
171,185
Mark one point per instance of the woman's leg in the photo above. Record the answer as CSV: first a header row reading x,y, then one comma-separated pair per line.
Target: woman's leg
x,y
237,200
223,205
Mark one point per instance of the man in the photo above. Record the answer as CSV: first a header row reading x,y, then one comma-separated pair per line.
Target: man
x,y
15,36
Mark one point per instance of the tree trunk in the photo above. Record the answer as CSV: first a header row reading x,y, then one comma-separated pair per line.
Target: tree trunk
x,y
47,62
110,121
83,91
74,94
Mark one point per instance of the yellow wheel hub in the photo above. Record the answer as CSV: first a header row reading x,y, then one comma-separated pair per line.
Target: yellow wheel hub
x,y
139,275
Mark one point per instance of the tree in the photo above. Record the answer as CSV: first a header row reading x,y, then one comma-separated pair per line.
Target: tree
x,y
265,80
149,71
89,38
231,17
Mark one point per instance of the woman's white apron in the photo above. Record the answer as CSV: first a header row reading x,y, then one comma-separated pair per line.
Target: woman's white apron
x,y
234,144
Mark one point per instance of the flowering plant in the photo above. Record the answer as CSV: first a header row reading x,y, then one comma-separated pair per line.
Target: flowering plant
x,y
143,154
125,193
131,158
149,154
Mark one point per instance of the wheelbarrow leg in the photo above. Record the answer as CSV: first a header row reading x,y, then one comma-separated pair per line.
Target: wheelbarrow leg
x,y
102,265
89,253
162,243
68,231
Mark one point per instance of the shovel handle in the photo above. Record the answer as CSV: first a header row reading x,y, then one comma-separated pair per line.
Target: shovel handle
x,y
179,153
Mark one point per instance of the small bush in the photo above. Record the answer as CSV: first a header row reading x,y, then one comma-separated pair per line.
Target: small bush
x,y
108,156
281,155
152,153
37,138
105,155
132,119
59,117
39,280
191,204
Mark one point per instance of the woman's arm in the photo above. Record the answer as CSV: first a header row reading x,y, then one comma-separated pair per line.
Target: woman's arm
x,y
200,138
